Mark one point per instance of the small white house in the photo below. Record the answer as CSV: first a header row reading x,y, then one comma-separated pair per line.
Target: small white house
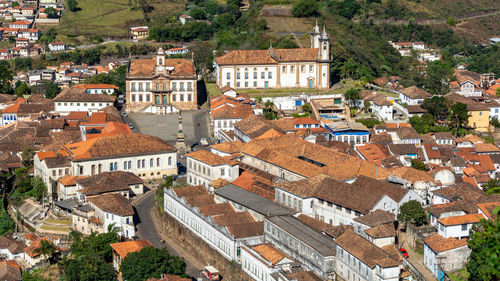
x,y
445,254
203,167
114,209
56,46
457,226
177,51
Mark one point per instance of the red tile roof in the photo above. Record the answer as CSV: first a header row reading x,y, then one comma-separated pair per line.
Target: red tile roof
x,y
125,248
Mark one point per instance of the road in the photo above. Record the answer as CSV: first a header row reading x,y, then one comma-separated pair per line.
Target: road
x,y
146,229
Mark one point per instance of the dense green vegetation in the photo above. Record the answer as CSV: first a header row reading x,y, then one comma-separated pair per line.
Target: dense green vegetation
x,y
484,261
151,262
413,212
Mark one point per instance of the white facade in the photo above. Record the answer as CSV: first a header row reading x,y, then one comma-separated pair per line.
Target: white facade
x,y
153,166
258,267
468,89
458,231
349,267
124,223
408,100
450,260
219,238
223,124
200,173
67,107
495,112
384,112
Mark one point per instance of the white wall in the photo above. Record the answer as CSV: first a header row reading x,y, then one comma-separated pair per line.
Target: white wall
x,y
67,107
457,231
202,173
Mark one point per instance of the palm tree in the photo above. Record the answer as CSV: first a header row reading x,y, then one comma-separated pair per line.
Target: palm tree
x,y
46,249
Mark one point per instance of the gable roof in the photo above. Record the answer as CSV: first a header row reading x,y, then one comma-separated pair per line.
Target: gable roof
x,y
210,158
113,203
108,182
376,218
270,56
117,146
146,68
463,219
365,251
269,253
77,94
487,209
125,248
439,244
415,93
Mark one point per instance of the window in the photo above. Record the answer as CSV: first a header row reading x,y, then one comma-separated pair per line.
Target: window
x,y
174,97
157,162
464,227
111,166
148,86
151,162
138,163
164,85
53,173
246,84
228,75
190,86
480,113
181,96
125,165
132,85
302,68
255,83
189,96
181,86
283,69
140,97
130,164
270,75
140,87
174,86
255,75
311,68
238,84
263,75
169,160
222,171
292,69
148,98
143,163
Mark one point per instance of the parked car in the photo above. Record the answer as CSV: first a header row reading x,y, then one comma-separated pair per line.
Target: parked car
x,y
130,125
203,141
404,252
124,114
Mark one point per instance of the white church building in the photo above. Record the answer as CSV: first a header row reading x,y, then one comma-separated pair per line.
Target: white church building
x,y
277,68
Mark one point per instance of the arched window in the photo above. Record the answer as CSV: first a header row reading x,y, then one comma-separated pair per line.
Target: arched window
x,y
111,166
169,160
143,163
138,164
93,170
151,162
130,164
100,168
158,162
124,165
116,166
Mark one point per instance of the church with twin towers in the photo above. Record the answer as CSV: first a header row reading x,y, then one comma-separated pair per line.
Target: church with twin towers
x,y
277,68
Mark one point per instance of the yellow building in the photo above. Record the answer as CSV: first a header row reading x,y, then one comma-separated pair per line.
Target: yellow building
x,y
479,113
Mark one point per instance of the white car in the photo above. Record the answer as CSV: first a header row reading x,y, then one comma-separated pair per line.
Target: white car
x,y
203,141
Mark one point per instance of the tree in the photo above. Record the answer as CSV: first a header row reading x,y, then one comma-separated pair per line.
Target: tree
x,y
438,106
52,89
27,156
413,212
197,13
305,8
46,249
95,244
422,124
494,121
22,90
484,260
419,165
51,13
306,108
451,21
351,96
38,188
439,75
151,262
89,268
32,276
346,8
72,4
6,222
492,187
459,115
6,76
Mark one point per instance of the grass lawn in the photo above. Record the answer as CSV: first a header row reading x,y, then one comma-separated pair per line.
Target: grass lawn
x,y
105,18
461,275
212,89
54,221
56,228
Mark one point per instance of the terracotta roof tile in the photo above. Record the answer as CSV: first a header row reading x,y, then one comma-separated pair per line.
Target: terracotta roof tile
x,y
376,218
210,158
76,94
237,112
256,184
486,147
270,253
145,68
382,231
464,219
125,248
108,182
365,251
487,209
113,203
415,93
439,244
251,57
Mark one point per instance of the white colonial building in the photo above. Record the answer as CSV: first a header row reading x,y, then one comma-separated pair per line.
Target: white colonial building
x,y
277,68
116,210
159,85
203,167
77,99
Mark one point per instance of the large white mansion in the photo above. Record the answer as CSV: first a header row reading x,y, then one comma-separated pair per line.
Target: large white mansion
x,y
277,68
160,85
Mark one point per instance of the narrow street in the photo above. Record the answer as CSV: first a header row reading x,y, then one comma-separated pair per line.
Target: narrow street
x,y
146,229
416,259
